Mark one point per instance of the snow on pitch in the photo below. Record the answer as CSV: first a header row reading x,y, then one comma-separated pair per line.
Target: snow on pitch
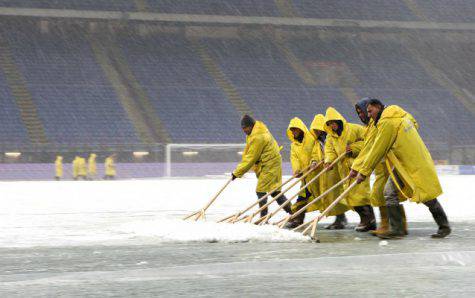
x,y
150,211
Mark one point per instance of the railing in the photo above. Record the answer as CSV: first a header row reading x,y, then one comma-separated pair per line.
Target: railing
x,y
155,152
36,162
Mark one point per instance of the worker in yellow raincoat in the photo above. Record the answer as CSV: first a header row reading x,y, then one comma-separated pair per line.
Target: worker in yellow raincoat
x,y
330,178
263,155
109,165
301,149
76,167
381,173
347,138
82,168
58,165
412,170
92,166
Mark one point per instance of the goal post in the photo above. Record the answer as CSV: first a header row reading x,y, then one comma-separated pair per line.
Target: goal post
x,y
201,159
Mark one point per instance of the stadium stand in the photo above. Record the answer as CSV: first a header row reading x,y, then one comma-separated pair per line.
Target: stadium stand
x,y
12,129
216,7
74,100
386,70
447,11
108,5
182,91
394,10
77,104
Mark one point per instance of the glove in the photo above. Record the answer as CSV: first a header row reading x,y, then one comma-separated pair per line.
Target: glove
x,y
360,178
233,177
314,164
298,174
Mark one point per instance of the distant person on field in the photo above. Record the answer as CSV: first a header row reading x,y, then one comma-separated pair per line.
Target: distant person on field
x,y
76,168
109,165
82,168
58,164
92,166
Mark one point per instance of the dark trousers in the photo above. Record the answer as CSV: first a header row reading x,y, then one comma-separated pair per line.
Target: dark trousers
x,y
280,201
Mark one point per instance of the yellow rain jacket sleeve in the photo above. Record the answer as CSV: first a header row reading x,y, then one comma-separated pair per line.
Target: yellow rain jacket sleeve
x,y
380,172
399,142
335,145
262,152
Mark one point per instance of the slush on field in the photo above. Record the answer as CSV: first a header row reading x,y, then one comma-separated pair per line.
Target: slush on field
x,y
237,148
133,240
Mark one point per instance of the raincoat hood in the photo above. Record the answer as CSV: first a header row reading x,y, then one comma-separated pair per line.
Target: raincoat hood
x,y
93,155
259,128
332,114
362,105
296,123
319,122
393,112
59,158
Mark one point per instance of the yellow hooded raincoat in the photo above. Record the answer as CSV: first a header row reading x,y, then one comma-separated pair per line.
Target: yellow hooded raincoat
x,y
92,166
82,171
398,141
58,164
328,179
301,157
335,145
109,166
263,154
76,167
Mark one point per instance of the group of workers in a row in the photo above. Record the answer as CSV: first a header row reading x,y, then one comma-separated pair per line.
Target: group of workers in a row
x,y
387,145
87,171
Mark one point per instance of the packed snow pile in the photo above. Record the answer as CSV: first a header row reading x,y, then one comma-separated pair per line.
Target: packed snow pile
x,y
206,231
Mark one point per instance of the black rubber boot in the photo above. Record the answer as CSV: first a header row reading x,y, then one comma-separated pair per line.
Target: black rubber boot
x,y
372,218
262,203
396,224
339,223
440,218
297,221
367,219
281,201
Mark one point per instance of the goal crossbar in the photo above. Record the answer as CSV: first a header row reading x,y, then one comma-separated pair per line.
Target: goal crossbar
x,y
170,147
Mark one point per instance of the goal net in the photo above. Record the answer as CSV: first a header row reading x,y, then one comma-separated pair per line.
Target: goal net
x,y
201,160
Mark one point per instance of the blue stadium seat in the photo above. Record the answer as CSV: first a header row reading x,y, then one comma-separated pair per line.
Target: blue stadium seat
x,y
74,100
216,7
394,10
186,98
109,5
12,130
